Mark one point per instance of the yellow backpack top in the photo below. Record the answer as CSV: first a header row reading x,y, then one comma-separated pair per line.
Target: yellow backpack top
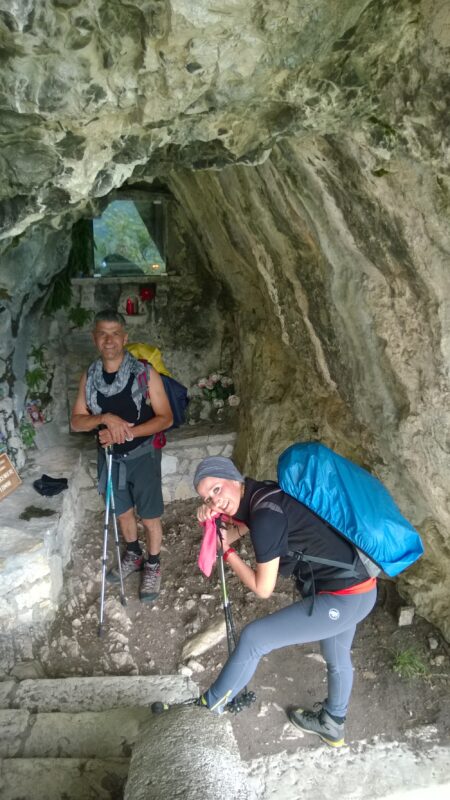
x,y
150,353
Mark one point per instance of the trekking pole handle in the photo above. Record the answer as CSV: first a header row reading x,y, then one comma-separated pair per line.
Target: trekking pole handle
x,y
219,534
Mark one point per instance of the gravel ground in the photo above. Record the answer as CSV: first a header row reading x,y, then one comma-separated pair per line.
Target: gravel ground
x,y
388,709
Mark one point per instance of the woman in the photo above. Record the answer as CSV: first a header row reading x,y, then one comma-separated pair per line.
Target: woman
x,y
334,599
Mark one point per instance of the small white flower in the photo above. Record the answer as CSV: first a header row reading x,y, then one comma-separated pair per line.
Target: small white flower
x,y
202,383
226,381
218,403
234,400
214,377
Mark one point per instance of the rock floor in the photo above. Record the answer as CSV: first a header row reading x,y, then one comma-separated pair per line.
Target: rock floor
x,y
393,719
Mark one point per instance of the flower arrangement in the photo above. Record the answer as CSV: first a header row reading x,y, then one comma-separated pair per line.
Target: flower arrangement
x,y
219,390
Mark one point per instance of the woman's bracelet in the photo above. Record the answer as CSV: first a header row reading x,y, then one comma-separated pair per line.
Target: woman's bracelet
x,y
227,553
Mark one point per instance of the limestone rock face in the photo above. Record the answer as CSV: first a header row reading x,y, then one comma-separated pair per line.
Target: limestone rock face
x,y
91,90
306,146
341,291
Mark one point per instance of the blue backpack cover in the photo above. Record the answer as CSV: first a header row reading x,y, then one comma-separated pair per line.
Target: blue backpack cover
x,y
352,501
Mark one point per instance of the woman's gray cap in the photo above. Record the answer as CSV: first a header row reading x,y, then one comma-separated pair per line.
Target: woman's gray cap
x,y
217,467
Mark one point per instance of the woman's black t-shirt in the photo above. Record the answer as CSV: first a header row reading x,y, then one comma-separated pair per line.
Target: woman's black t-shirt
x,y
282,520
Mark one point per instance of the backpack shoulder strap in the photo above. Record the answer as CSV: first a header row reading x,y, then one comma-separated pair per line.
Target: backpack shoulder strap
x,y
264,498
143,377
261,497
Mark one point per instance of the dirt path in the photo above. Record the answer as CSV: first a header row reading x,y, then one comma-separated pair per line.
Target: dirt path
x,y
148,639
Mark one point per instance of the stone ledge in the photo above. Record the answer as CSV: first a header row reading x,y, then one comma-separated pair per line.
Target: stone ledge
x,y
34,552
54,778
76,695
92,734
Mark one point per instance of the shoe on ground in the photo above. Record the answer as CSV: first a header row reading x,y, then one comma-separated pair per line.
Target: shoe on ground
x,y
320,723
130,562
201,701
150,583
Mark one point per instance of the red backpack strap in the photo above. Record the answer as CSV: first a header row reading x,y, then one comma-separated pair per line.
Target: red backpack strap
x,y
143,377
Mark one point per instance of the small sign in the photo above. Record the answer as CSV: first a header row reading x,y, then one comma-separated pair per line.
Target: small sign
x,y
9,479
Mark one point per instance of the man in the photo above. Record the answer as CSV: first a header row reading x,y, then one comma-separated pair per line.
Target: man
x,y
128,413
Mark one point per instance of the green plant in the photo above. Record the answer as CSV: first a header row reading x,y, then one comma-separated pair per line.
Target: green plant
x,y
37,353
35,377
60,294
27,433
408,664
380,172
79,316
78,263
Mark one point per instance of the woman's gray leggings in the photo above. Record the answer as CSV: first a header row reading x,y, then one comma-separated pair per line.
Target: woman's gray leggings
x,y
332,622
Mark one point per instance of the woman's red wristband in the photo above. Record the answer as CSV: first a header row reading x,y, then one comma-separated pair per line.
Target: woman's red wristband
x,y
228,552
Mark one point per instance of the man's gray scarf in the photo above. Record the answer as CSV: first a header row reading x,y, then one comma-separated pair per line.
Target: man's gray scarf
x,y
96,383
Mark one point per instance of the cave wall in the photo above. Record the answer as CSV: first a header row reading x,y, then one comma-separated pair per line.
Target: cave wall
x,y
27,269
185,320
341,293
307,147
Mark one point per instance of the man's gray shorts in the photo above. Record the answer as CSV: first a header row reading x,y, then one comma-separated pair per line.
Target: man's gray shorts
x,y
142,485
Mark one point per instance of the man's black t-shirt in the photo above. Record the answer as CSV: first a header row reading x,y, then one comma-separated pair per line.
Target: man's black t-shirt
x,y
282,520
124,406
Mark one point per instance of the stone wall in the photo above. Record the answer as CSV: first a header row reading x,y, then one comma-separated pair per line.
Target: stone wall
x,y
34,550
181,456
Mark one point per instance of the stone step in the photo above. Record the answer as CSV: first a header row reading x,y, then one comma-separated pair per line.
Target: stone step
x,y
76,695
63,778
91,734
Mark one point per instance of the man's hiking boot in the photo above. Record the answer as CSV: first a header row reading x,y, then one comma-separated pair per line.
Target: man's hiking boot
x,y
320,723
150,583
130,563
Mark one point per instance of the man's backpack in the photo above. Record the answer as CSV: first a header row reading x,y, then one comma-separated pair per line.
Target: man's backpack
x,y
354,503
177,394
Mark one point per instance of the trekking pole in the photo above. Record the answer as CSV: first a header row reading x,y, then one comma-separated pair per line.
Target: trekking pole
x,y
229,622
110,506
245,697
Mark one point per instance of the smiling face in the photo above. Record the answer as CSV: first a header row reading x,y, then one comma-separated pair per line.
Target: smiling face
x,y
110,339
221,495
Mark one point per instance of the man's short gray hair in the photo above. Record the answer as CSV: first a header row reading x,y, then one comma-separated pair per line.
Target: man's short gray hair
x,y
109,315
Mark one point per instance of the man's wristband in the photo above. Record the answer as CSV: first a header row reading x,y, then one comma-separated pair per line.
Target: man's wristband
x,y
228,552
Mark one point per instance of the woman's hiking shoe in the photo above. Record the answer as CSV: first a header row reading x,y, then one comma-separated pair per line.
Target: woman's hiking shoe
x,y
201,701
150,583
130,562
320,723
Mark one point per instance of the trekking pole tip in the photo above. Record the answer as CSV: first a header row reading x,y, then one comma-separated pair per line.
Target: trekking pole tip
x,y
158,707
